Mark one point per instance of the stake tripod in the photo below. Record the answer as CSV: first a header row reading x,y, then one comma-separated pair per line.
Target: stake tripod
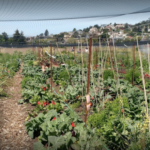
x,y
88,78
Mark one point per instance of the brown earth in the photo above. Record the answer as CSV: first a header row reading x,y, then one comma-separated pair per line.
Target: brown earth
x,y
24,50
13,135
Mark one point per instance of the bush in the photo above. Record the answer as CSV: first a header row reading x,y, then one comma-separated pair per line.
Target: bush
x,y
110,119
64,75
129,75
108,74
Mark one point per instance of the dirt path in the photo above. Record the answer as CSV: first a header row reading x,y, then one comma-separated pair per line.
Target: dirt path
x,y
13,135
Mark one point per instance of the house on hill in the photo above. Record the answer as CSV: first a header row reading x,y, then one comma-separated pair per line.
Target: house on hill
x,y
93,30
67,36
120,26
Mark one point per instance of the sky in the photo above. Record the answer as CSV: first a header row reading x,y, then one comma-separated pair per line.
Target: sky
x,y
58,15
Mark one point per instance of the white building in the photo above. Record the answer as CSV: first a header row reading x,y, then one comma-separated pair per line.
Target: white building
x,y
93,30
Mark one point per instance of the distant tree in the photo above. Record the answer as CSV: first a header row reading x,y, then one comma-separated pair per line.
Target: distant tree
x,y
146,29
22,38
19,38
41,36
84,34
46,32
139,29
104,35
135,29
75,34
2,38
105,30
115,24
74,30
4,34
126,26
126,30
86,30
61,35
131,34
97,26
16,36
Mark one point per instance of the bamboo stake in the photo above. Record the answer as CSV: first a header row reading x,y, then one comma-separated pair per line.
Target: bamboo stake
x,y
92,53
101,68
100,50
145,96
82,68
148,57
93,80
88,78
110,58
79,64
133,64
115,62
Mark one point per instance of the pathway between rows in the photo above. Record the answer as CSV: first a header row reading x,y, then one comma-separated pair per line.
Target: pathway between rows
x,y
13,135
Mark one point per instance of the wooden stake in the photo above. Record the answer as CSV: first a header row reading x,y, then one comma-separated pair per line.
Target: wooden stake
x,y
39,54
42,54
51,68
74,54
145,96
133,64
88,78
148,57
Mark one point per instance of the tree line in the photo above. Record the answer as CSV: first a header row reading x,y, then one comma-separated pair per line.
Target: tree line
x,y
18,38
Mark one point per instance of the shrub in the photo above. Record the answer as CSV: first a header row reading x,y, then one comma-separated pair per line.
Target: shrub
x,y
129,75
108,74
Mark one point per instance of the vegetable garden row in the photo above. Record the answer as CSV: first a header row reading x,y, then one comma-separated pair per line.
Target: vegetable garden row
x,y
9,64
117,117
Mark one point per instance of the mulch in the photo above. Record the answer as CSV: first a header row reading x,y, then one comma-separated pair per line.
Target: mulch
x,y
13,135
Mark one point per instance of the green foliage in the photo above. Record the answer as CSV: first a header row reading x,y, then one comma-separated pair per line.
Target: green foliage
x,y
111,111
57,107
116,124
76,105
9,64
129,75
64,75
34,99
52,130
18,37
38,146
108,74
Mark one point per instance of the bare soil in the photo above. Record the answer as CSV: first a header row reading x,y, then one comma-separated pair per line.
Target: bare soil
x,y
12,50
13,135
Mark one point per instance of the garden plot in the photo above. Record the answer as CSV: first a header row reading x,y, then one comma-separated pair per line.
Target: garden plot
x,y
117,117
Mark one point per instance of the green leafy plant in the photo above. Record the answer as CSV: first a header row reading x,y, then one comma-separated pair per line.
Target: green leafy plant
x,y
108,74
129,75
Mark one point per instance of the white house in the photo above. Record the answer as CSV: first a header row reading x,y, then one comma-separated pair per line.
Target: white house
x,y
93,30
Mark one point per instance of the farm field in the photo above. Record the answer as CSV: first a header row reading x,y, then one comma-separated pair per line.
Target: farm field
x,y
44,99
